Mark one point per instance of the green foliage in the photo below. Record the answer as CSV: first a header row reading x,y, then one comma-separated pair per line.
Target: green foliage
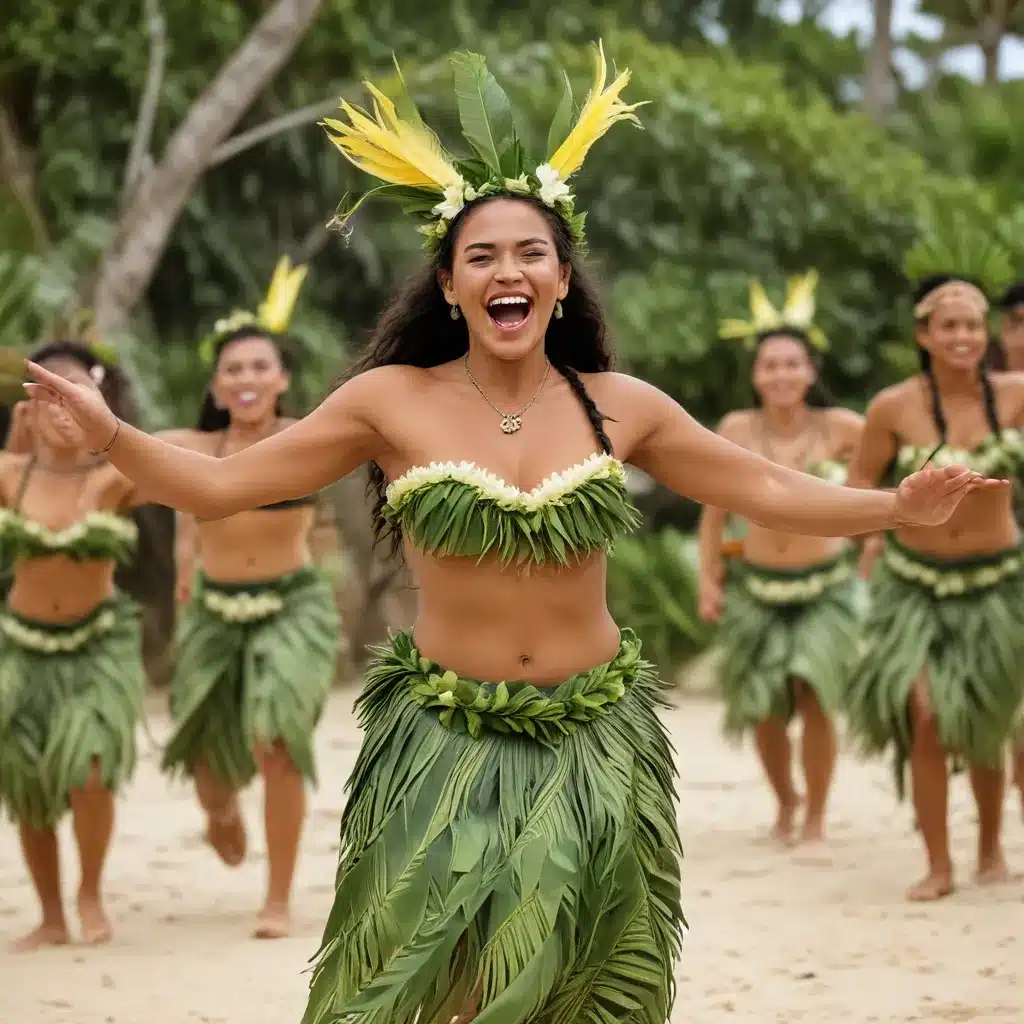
x,y
652,586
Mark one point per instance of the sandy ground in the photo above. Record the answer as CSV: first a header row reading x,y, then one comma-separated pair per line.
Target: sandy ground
x,y
776,936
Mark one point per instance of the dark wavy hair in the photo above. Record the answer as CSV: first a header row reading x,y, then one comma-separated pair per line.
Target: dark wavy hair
x,y
114,387
416,329
925,287
212,418
1012,297
818,396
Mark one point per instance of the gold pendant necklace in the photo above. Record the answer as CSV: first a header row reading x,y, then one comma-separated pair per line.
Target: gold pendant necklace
x,y
510,421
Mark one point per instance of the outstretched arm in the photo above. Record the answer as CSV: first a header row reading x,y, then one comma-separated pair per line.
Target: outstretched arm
x,y
331,442
698,464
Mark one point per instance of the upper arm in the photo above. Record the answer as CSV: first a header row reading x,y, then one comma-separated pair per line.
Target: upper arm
x,y
877,444
848,426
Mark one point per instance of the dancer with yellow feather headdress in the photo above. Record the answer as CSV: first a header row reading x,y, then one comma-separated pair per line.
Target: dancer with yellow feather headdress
x,y
788,607
258,631
509,847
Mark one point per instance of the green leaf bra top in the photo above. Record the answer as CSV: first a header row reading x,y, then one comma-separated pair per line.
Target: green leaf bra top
x,y
450,508
98,537
830,470
1000,455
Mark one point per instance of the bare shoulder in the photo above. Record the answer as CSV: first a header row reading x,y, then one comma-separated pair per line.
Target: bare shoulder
x,y
887,407
1008,389
845,423
12,468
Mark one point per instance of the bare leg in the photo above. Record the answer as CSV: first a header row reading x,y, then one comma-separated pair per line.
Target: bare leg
x,y
92,810
284,810
989,786
931,798
39,847
772,743
225,829
818,754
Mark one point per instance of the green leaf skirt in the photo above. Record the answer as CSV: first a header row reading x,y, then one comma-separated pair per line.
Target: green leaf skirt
x,y
959,621
254,663
70,698
507,849
781,626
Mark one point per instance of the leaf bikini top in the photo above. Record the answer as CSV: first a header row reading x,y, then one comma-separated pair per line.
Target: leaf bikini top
x,y
461,509
98,536
999,455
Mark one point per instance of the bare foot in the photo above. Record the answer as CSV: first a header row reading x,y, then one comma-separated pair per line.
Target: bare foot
x,y
935,886
96,926
273,922
782,831
226,834
992,870
813,832
44,935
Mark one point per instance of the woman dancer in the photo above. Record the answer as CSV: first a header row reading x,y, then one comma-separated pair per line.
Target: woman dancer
x,y
508,848
258,635
790,605
71,674
940,673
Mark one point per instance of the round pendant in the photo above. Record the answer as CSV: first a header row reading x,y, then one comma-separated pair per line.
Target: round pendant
x,y
510,424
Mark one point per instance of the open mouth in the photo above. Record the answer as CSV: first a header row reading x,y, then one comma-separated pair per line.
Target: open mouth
x,y
246,398
509,311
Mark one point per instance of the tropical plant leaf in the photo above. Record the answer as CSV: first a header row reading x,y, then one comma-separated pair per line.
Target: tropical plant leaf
x,y
562,122
484,109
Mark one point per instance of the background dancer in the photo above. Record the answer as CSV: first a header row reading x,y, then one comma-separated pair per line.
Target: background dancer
x,y
258,636
506,847
940,675
71,672
790,604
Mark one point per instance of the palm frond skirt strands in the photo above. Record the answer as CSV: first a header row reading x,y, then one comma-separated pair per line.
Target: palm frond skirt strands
x,y
507,850
959,621
254,664
71,697
781,626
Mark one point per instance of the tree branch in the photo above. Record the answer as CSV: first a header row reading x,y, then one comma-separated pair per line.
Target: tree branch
x,y
16,174
254,136
138,155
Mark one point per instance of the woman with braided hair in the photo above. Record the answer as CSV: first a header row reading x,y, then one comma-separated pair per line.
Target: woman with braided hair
x,y
790,604
939,678
509,848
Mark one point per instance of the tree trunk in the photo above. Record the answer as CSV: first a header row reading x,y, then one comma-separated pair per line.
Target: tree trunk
x,y
153,207
878,81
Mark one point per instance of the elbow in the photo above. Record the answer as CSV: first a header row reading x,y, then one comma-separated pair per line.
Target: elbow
x,y
218,499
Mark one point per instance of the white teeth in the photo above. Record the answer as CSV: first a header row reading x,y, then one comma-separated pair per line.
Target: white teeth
x,y
248,396
509,300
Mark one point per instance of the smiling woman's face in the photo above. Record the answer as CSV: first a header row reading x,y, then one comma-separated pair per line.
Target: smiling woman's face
x,y
506,277
249,379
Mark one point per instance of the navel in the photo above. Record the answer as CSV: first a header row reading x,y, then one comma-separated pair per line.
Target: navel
x,y
525,660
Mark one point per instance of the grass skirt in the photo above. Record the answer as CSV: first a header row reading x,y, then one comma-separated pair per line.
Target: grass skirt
x,y
785,625
505,846
254,663
70,695
959,620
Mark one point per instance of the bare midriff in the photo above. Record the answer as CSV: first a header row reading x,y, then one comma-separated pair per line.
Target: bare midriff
x,y
982,525
540,624
774,550
58,589
257,545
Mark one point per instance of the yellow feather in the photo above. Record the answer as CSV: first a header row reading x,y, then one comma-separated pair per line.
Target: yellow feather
x,y
765,315
601,110
799,308
390,149
736,330
276,310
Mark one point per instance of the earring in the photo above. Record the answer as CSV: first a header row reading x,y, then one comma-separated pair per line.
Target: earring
x,y
558,310
454,311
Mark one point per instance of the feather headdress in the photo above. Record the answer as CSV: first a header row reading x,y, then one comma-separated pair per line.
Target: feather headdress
x,y
392,144
797,313
956,246
273,314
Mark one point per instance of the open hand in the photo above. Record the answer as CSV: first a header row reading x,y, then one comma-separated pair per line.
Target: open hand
x,y
930,497
85,405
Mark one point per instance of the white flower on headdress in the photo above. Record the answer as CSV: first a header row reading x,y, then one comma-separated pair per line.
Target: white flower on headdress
x,y
97,371
520,184
455,198
552,188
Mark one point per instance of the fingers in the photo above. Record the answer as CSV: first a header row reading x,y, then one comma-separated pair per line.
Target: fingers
x,y
42,393
52,380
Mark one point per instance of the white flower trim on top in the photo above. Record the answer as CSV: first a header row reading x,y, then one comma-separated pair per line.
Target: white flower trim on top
x,y
44,641
490,486
123,529
243,607
952,582
796,591
986,458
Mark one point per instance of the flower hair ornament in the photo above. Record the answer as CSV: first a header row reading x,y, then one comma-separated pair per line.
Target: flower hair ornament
x,y
395,146
273,315
952,245
797,313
